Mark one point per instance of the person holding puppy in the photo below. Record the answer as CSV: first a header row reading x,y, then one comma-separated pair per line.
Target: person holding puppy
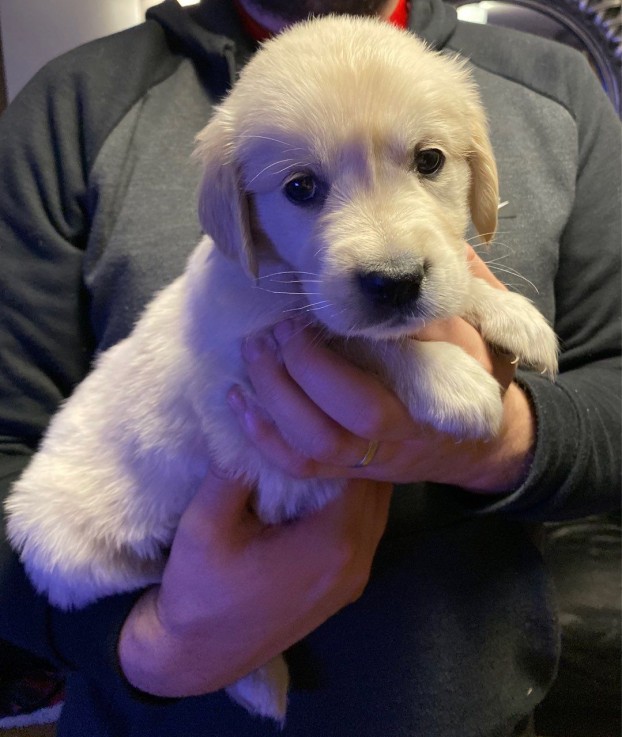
x,y
419,610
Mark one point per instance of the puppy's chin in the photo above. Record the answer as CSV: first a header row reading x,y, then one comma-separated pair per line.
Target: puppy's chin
x,y
401,328
357,323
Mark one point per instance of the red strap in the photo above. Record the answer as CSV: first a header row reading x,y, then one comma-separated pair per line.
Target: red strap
x,y
398,17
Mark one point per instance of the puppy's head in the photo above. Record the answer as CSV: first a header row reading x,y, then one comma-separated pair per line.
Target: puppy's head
x,y
359,156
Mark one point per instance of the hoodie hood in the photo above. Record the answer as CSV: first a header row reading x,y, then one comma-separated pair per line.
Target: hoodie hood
x,y
434,21
212,36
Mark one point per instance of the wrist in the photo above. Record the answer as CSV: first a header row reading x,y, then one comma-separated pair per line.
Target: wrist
x,y
140,643
175,663
150,658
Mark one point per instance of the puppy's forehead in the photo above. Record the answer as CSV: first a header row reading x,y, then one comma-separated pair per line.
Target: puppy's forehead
x,y
334,79
266,160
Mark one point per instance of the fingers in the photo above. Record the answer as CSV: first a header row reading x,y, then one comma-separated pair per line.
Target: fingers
x,y
286,404
353,398
312,412
307,460
297,455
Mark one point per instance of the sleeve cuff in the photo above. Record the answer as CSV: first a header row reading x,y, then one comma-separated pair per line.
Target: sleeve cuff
x,y
556,449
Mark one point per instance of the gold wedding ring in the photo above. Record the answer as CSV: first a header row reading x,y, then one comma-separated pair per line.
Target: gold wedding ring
x,y
369,455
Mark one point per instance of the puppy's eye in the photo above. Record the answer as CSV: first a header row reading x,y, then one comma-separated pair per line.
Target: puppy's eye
x,y
429,161
302,189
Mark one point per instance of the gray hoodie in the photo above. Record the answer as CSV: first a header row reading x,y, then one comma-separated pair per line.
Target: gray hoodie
x,y
456,634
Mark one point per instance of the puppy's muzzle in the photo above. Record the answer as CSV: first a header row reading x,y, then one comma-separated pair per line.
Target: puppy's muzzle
x,y
392,294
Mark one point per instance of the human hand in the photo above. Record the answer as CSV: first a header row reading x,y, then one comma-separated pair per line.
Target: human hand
x,y
313,413
236,592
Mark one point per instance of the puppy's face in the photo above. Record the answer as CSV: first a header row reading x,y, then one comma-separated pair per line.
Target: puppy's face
x,y
373,226
360,165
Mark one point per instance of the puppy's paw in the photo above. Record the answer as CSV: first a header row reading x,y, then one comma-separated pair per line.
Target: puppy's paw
x,y
452,392
264,691
534,343
514,325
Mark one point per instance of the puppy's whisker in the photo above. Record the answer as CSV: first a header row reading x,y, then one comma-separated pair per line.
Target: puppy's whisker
x,y
288,164
292,272
277,291
496,268
321,335
336,314
321,306
496,260
499,250
475,240
310,307
304,327
295,294
264,138
297,281
312,304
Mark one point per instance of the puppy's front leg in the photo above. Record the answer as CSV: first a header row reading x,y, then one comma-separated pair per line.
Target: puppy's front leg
x,y
512,323
445,387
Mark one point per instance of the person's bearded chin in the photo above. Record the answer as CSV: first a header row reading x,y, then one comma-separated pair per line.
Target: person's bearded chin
x,y
301,9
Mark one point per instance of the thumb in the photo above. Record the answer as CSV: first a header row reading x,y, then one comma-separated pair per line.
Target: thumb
x,y
219,503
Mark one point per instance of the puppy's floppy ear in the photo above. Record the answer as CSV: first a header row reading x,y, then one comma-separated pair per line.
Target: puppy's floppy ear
x,y
484,195
223,206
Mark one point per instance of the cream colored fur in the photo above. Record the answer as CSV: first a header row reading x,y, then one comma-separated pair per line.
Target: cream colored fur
x,y
349,100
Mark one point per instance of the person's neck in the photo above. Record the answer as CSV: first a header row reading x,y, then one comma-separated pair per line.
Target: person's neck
x,y
264,24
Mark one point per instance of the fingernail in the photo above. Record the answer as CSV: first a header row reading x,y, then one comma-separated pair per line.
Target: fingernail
x,y
256,346
247,411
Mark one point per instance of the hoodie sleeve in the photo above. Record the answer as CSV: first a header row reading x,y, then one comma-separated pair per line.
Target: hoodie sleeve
x,y
49,138
576,468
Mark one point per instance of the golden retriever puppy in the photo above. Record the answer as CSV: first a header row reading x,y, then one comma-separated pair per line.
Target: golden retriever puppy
x,y
347,163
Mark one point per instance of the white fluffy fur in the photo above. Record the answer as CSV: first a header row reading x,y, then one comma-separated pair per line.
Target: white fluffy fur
x,y
350,100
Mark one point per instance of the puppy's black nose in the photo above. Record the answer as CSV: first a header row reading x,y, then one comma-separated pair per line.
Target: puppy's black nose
x,y
391,291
